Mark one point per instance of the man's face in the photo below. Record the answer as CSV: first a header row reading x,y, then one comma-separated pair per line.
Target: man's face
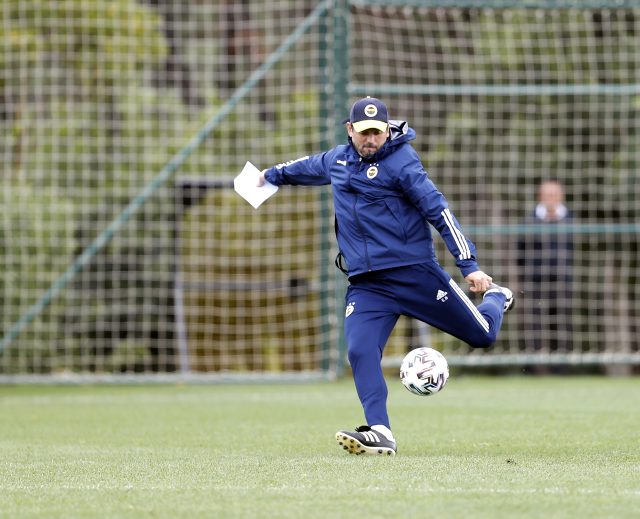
x,y
368,142
551,195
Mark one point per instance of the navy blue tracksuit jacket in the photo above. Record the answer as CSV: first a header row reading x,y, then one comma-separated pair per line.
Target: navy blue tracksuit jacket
x,y
383,205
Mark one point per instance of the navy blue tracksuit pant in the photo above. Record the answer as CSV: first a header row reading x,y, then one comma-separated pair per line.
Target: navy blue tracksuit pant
x,y
375,301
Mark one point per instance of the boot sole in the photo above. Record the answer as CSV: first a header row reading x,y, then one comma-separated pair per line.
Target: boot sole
x,y
354,446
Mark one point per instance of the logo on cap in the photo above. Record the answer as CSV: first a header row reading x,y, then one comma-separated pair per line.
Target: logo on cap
x,y
371,110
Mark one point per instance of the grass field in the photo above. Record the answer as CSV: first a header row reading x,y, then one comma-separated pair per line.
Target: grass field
x,y
483,448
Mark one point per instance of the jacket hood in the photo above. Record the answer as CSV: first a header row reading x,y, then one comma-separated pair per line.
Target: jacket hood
x,y
399,133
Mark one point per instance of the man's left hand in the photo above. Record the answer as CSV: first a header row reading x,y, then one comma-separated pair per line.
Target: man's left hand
x,y
479,281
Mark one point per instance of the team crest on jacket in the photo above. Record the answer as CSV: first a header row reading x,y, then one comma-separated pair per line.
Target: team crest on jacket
x,y
372,172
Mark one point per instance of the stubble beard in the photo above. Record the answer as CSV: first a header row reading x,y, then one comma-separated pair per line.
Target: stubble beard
x,y
366,152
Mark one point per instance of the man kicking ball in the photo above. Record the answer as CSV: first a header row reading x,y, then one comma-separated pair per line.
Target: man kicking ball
x,y
384,202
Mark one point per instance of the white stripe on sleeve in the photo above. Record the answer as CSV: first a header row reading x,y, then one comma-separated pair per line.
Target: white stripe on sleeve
x,y
461,241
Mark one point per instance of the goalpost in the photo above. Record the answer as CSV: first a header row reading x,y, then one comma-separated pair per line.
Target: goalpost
x,y
124,255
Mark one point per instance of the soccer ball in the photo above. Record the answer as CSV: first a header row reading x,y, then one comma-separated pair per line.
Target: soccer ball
x,y
424,371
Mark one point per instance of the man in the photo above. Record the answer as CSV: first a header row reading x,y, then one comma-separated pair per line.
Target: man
x,y
545,259
384,202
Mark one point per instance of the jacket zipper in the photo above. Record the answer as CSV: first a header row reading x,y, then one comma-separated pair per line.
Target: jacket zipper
x,y
358,223
364,236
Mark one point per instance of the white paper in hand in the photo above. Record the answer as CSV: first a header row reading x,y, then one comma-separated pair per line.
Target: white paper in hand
x,y
246,185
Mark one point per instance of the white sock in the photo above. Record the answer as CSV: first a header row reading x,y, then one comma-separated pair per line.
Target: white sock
x,y
385,431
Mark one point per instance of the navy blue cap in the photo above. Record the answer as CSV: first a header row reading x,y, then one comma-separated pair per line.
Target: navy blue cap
x,y
367,113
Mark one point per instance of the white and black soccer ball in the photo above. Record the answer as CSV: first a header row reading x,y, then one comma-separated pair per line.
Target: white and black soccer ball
x,y
424,371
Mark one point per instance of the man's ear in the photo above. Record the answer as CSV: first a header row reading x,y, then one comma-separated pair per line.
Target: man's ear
x,y
349,128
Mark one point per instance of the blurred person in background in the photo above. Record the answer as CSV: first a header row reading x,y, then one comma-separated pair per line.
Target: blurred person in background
x,y
545,258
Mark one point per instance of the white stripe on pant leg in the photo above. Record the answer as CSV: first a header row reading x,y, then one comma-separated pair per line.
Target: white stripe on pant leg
x,y
463,297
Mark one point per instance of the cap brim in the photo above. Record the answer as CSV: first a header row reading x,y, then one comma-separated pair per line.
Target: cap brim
x,y
361,126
